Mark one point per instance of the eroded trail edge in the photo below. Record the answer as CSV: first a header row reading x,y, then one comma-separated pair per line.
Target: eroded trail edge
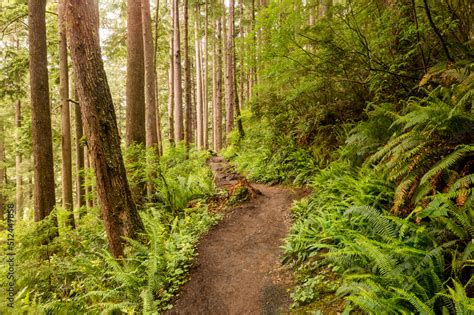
x,y
238,268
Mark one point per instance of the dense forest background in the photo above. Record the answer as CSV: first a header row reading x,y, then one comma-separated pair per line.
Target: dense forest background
x,y
369,103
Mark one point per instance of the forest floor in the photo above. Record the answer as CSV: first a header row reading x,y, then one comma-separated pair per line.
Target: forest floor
x,y
238,269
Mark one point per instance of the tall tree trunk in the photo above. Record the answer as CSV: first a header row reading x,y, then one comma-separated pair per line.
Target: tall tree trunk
x,y
233,68
80,193
18,158
228,82
205,98
150,93
217,106
44,193
150,79
242,52
187,79
199,89
178,94
253,67
135,90
118,208
135,112
66,147
171,97
155,54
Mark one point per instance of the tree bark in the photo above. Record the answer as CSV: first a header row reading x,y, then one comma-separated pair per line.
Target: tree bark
x,y
18,159
150,94
228,82
66,147
171,95
89,190
44,194
100,126
242,52
135,111
150,78
80,189
187,79
199,89
178,94
217,106
205,98
155,54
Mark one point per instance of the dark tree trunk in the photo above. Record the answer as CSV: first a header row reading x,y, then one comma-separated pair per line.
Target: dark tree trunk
x,y
100,126
135,113
44,194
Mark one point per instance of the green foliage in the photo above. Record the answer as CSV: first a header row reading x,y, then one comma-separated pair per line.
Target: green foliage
x,y
74,273
421,263
264,158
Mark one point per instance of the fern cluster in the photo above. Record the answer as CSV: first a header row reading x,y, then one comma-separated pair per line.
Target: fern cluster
x,y
398,228
75,273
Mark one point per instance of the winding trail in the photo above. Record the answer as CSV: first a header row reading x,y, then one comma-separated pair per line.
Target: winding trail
x,y
238,269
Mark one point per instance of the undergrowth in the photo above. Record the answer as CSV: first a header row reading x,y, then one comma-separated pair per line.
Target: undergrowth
x,y
388,228
76,274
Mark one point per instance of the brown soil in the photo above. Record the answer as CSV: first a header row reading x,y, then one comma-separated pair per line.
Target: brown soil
x,y
238,269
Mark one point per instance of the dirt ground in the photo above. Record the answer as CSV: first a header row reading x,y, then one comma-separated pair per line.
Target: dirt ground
x,y
238,268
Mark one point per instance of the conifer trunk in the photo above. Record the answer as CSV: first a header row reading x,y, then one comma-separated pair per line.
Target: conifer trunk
x,y
150,79
217,91
119,211
199,88
80,189
18,162
44,193
135,111
187,79
228,82
178,94
66,146
205,98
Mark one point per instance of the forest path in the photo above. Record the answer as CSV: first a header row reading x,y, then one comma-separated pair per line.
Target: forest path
x,y
238,269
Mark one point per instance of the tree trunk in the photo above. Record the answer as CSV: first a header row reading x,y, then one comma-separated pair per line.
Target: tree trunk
x,y
187,79
228,81
242,52
217,106
80,191
44,193
150,79
199,89
233,71
135,91
135,112
100,126
18,158
178,94
205,97
155,54
89,190
150,95
66,147
171,95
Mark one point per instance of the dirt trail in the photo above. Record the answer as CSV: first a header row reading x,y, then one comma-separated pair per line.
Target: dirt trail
x,y
238,268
